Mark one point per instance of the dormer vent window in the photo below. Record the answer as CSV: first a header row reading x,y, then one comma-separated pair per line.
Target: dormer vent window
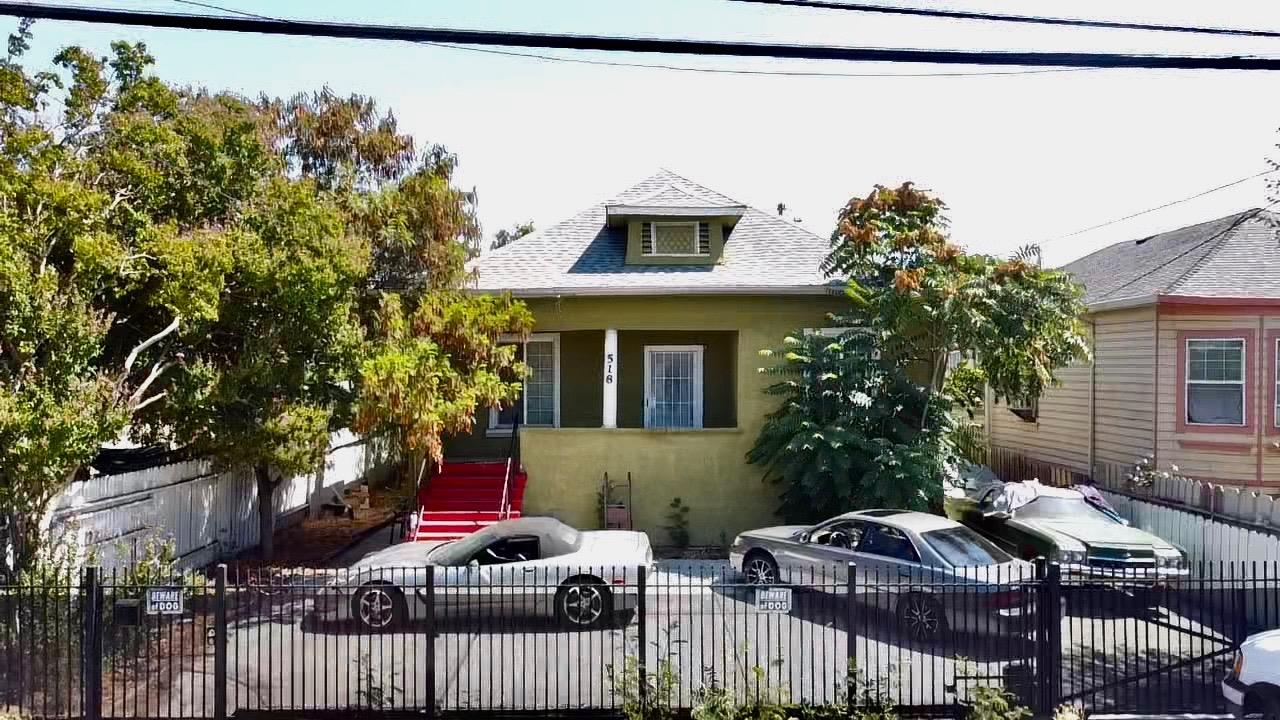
x,y
675,239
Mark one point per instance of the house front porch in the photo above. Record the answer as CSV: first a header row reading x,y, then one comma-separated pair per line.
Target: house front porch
x,y
663,390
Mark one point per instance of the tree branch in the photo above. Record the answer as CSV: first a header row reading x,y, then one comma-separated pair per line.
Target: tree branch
x,y
133,354
156,371
158,396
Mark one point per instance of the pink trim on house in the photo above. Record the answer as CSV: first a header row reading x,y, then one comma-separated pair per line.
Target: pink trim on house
x,y
1250,336
1217,446
1271,348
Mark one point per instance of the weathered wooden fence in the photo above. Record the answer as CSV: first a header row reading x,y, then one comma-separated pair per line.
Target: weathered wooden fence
x,y
207,515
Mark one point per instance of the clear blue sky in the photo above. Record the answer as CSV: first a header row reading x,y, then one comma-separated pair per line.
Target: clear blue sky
x,y
1018,158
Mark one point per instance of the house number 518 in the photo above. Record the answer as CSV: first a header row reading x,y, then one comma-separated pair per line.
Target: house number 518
x,y
608,369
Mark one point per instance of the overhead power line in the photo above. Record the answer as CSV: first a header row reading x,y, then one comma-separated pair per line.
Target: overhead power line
x,y
1028,19
681,68
684,46
1171,203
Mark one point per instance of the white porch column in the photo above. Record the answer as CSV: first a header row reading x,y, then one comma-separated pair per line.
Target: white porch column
x,y
610,408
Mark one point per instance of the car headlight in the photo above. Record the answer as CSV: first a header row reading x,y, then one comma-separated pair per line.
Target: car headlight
x,y
737,542
1169,562
1070,557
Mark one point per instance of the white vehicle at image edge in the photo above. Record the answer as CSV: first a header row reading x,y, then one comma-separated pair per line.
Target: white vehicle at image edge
x,y
933,573
1253,685
531,567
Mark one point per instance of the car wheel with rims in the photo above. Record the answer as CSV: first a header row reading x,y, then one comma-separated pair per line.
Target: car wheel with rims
x,y
379,607
584,603
921,616
760,569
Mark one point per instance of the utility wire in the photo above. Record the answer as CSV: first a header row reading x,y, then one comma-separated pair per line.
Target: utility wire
x,y
682,68
1171,203
631,44
1028,19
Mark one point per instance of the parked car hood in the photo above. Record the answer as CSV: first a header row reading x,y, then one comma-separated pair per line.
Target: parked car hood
x,y
1268,641
1090,532
781,532
404,555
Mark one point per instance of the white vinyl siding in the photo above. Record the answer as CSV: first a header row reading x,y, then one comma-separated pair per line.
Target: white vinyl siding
x,y
673,386
1215,382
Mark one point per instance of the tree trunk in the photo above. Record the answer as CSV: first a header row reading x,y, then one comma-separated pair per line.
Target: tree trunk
x,y
266,511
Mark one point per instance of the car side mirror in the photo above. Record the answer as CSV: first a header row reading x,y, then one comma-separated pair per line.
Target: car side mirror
x,y
804,538
474,563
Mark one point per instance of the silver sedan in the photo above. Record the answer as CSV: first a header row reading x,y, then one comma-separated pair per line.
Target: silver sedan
x,y
528,567
934,573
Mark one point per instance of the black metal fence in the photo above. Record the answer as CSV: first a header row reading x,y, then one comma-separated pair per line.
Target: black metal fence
x,y
539,639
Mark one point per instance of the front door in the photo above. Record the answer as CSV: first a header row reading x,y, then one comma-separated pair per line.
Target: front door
x,y
673,386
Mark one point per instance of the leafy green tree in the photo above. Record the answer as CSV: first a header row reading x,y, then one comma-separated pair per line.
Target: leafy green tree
x,y
865,416
230,275
505,237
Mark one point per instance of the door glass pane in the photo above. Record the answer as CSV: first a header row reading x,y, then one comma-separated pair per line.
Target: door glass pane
x,y
540,386
673,388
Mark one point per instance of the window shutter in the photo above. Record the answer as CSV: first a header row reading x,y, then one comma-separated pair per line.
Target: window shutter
x,y
646,238
704,238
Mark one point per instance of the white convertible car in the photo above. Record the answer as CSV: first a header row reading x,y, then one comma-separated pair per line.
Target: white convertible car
x,y
530,567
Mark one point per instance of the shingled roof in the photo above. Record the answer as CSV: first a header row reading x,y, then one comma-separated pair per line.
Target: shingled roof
x,y
1237,256
764,254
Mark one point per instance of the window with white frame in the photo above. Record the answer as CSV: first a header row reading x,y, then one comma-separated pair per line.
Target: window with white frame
x,y
673,386
1215,382
539,403
675,239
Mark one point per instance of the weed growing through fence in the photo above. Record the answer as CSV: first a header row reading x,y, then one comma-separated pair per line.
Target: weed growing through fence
x,y
374,692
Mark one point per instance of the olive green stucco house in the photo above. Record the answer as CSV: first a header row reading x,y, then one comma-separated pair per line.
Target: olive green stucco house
x,y
651,309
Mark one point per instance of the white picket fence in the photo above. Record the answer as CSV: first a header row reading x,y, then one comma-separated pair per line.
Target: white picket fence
x,y
208,516
1204,536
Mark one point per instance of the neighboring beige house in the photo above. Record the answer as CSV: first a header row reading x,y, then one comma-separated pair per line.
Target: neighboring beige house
x,y
1186,368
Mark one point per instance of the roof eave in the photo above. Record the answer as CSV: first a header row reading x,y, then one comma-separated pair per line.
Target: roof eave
x,y
1122,303
619,211
668,290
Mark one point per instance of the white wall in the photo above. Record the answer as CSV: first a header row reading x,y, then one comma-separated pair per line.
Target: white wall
x,y
208,516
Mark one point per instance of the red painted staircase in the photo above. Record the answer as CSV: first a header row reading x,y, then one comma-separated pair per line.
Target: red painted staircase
x,y
464,497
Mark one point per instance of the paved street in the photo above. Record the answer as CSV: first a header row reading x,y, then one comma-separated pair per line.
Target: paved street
x,y
702,631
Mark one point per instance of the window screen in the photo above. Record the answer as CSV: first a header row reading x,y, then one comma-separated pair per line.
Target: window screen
x,y
1215,382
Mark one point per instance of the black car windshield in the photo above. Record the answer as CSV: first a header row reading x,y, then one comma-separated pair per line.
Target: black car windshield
x,y
1062,508
962,547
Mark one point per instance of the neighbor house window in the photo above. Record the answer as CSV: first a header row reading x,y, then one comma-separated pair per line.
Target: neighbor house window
x,y
1275,394
675,239
673,386
539,403
1027,408
1215,382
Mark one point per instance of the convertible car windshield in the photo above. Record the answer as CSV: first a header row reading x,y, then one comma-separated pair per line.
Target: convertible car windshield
x,y
555,538
1062,508
962,547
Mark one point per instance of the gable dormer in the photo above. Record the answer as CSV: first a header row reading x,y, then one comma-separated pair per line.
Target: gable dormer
x,y
674,226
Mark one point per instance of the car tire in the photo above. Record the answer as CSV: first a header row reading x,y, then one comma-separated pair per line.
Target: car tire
x,y
379,607
759,568
920,616
584,604
1268,704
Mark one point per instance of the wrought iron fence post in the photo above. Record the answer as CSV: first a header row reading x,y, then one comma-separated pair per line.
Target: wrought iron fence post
x,y
430,632
91,645
643,634
1241,598
850,641
220,643
1048,636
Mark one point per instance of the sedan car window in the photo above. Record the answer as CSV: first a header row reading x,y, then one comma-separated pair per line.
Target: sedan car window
x,y
888,542
509,550
845,534
962,547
